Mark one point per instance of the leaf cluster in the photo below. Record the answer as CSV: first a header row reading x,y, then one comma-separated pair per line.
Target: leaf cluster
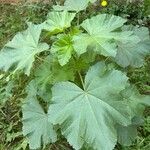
x,y
78,71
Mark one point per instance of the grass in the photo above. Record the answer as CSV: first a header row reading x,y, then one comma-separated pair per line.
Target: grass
x,y
12,20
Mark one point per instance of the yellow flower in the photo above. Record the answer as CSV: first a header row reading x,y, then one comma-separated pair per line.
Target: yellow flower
x,y
104,3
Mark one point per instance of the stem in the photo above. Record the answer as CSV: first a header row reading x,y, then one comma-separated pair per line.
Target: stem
x,y
80,76
106,59
39,58
81,79
3,112
78,21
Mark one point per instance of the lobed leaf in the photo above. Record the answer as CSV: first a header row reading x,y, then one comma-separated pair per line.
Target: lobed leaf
x,y
52,72
127,134
36,126
137,103
21,51
58,21
102,35
63,49
74,5
89,115
131,54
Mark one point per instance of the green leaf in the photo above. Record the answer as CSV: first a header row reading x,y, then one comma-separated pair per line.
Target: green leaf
x,y
137,103
36,126
21,51
31,89
136,100
74,31
128,134
43,73
58,21
35,89
130,54
74,5
63,49
50,72
101,35
89,115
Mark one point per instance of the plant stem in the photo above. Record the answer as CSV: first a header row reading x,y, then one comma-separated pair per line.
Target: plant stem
x,y
80,76
3,112
81,79
78,21
41,59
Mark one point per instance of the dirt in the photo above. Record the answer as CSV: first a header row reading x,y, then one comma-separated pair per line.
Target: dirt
x,y
19,1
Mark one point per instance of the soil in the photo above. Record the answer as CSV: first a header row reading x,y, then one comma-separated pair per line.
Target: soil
x,y
19,1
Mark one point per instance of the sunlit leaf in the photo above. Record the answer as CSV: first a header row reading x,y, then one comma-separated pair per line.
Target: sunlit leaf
x,y
58,21
63,49
74,5
21,51
102,34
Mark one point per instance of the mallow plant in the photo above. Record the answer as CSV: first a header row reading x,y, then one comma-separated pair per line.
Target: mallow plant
x,y
78,69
